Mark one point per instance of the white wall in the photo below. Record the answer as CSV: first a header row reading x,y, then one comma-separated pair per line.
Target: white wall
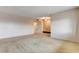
x,y
13,25
60,24
37,27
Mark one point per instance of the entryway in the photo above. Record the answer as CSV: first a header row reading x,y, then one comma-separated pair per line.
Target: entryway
x,y
42,25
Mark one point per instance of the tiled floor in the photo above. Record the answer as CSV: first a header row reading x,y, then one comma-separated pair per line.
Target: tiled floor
x,y
37,43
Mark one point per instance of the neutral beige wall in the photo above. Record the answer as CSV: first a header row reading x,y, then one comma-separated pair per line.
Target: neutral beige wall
x,y
14,25
37,26
73,15
46,25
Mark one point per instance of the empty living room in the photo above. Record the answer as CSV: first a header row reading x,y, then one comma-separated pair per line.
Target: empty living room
x,y
39,29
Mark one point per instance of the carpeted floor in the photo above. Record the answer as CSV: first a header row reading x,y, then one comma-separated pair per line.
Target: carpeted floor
x,y
36,43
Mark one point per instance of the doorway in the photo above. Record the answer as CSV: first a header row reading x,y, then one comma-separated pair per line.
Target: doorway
x,y
42,25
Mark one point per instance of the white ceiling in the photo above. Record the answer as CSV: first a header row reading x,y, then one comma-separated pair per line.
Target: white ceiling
x,y
34,11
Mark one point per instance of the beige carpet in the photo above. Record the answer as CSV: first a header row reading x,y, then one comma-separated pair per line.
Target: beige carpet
x,y
36,43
